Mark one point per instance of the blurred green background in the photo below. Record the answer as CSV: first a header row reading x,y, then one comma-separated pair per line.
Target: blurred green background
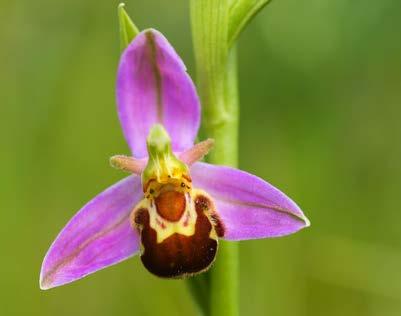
x,y
320,85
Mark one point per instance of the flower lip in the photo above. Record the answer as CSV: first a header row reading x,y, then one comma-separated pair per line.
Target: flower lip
x,y
187,248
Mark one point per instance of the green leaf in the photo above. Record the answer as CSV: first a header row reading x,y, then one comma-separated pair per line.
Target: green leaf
x,y
241,13
128,29
209,20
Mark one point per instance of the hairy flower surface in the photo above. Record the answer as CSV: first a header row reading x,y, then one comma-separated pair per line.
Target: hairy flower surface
x,y
172,209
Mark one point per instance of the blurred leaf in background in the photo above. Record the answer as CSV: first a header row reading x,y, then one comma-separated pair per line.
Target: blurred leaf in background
x,y
320,85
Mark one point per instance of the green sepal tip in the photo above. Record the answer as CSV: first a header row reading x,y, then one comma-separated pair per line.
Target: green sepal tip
x,y
241,13
128,29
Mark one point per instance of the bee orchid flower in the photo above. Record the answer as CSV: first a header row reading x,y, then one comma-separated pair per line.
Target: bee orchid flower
x,y
172,209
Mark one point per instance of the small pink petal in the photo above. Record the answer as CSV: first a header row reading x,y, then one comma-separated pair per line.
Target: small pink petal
x,y
129,164
197,152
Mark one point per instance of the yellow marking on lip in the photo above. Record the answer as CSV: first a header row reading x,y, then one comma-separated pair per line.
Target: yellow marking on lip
x,y
184,226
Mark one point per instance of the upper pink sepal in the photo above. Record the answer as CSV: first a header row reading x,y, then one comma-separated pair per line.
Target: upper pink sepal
x,y
154,87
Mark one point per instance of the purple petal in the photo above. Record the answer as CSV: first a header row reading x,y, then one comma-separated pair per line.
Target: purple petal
x,y
249,207
99,235
153,87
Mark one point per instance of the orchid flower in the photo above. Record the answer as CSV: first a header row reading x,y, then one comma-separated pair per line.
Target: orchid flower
x,y
172,209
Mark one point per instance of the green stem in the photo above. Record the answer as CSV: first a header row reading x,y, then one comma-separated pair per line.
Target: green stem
x,y
224,275
217,86
199,289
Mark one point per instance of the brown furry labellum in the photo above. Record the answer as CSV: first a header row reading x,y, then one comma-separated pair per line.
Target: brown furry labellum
x,y
179,232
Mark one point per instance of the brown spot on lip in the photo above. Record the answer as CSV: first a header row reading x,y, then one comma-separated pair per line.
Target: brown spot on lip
x,y
146,186
141,216
170,205
218,225
204,204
